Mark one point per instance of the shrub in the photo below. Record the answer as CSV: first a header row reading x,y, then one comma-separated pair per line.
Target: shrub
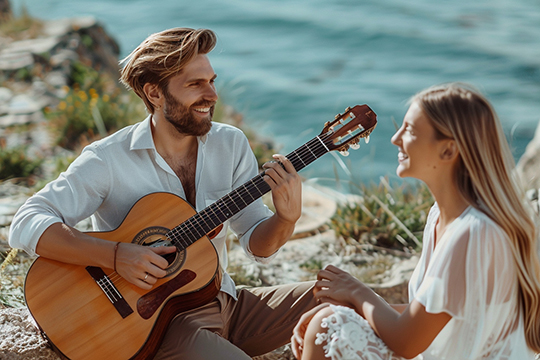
x,y
385,216
14,163
93,107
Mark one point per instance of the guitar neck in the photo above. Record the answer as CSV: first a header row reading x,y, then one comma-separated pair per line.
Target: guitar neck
x,y
229,205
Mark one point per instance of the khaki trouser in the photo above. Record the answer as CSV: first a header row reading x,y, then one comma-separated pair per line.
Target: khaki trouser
x,y
260,321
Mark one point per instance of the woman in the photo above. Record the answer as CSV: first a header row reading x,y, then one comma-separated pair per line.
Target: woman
x,y
475,293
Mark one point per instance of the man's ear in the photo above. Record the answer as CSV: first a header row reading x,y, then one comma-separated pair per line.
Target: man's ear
x,y
449,150
154,94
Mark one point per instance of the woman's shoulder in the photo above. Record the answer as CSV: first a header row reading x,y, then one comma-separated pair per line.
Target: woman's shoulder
x,y
475,230
478,220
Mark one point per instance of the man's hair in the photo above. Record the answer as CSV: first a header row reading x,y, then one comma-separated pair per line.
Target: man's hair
x,y
163,55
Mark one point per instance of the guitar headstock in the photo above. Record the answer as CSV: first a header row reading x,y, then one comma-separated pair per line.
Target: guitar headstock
x,y
348,128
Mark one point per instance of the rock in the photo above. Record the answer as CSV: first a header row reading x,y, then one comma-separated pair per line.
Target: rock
x,y
5,95
12,196
528,166
24,104
15,61
396,289
63,42
317,207
20,338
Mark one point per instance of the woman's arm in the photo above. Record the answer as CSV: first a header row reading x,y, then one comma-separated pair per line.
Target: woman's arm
x,y
407,334
400,308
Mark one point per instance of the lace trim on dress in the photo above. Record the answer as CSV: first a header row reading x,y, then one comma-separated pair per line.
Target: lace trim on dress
x,y
350,337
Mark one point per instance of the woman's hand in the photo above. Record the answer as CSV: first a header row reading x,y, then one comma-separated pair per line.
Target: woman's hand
x,y
297,339
337,286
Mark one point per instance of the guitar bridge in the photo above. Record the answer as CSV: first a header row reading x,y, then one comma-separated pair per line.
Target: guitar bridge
x,y
112,293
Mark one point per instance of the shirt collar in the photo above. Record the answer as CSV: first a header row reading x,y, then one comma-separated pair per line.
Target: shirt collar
x,y
142,136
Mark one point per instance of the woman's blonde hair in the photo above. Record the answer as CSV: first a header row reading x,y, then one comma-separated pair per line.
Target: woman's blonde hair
x,y
163,55
484,176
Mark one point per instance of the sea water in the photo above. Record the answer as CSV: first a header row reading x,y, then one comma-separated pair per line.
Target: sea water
x,y
290,66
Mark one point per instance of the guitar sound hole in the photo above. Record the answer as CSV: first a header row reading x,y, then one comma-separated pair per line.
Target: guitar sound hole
x,y
155,236
169,257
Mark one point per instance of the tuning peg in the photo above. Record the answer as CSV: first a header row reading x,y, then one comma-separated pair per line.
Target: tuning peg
x,y
348,109
366,139
337,116
344,152
355,146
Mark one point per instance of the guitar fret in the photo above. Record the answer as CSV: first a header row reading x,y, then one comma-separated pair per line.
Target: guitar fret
x,y
187,233
209,218
200,234
214,208
307,147
255,185
183,237
232,202
246,186
194,230
222,207
236,196
240,195
299,158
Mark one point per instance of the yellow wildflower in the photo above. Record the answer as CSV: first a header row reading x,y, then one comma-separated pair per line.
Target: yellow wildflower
x,y
83,96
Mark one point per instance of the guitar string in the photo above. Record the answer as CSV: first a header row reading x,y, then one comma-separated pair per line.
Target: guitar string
x,y
219,205
253,184
256,183
109,289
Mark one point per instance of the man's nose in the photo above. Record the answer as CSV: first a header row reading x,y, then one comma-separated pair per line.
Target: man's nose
x,y
211,93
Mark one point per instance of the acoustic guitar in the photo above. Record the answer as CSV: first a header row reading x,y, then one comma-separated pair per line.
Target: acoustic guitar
x,y
93,313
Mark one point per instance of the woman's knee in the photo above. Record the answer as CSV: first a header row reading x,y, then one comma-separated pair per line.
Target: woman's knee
x,y
315,326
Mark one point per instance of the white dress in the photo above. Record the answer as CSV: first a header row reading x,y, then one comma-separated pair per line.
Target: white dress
x,y
471,276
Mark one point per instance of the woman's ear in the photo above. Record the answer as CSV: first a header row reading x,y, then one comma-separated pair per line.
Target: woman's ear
x,y
449,151
154,94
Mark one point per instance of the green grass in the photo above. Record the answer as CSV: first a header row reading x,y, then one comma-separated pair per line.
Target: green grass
x,y
16,164
12,273
384,215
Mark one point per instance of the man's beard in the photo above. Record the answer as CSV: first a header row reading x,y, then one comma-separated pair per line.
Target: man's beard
x,y
182,119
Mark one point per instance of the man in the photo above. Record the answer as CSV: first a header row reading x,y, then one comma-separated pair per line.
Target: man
x,y
175,149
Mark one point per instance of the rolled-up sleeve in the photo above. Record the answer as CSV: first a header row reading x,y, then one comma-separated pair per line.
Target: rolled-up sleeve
x,y
72,197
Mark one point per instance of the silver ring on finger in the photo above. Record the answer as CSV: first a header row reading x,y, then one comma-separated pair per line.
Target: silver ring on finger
x,y
145,277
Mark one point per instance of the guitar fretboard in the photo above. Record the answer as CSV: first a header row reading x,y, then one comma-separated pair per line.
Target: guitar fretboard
x,y
227,206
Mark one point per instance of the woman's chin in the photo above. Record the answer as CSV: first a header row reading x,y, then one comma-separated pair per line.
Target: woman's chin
x,y
401,172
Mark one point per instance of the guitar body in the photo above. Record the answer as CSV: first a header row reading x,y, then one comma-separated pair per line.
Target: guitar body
x,y
80,320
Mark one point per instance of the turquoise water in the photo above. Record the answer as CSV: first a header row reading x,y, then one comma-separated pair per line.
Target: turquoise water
x,y
289,66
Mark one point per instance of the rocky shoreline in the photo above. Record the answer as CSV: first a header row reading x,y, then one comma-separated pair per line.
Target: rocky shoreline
x,y
49,59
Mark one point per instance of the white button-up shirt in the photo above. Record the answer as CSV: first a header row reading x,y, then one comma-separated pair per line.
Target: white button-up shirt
x,y
111,174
